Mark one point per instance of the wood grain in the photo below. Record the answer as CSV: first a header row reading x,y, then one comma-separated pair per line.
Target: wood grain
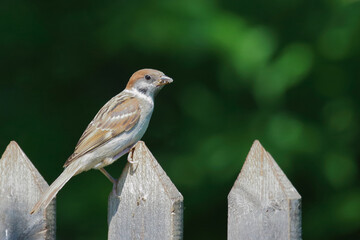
x,y
263,204
20,187
145,203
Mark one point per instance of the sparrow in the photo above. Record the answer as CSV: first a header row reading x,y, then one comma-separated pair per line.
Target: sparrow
x,y
115,129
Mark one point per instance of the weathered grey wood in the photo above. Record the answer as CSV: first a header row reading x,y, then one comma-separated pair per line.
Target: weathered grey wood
x,y
20,187
263,204
145,203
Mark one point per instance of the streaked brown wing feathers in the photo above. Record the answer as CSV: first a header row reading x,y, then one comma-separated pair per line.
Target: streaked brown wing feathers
x,y
114,118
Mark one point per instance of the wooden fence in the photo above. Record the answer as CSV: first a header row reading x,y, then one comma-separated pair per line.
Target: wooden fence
x,y
262,204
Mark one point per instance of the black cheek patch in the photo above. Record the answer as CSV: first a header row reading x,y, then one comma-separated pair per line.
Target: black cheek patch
x,y
143,90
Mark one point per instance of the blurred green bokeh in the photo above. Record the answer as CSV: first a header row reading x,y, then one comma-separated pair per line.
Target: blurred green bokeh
x,y
284,72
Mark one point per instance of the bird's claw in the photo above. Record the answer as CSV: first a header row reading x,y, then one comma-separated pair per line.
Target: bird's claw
x,y
134,163
113,180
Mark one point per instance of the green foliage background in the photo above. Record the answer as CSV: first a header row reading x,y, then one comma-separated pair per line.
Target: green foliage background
x,y
284,72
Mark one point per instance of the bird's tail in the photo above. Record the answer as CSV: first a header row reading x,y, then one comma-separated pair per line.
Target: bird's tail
x,y
55,187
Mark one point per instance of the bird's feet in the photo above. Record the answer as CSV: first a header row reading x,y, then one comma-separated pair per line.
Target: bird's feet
x,y
131,157
113,180
133,163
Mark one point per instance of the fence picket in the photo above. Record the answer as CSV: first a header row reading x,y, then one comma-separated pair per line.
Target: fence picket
x,y
145,203
263,204
20,187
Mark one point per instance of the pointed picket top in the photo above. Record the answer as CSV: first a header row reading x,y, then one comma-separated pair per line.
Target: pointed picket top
x,y
20,187
263,204
145,203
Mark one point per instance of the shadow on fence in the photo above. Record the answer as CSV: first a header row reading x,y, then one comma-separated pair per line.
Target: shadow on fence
x,y
145,204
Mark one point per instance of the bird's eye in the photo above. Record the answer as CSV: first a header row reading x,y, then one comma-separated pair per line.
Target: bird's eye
x,y
147,77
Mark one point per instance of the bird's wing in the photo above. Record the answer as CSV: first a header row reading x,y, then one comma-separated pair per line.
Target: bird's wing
x,y
119,115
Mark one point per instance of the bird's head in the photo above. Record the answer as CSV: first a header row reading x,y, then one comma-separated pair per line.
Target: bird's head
x,y
148,81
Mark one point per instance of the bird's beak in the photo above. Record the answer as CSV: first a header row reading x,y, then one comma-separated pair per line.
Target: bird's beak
x,y
164,80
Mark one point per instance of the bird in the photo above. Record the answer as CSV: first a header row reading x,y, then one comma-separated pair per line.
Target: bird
x,y
115,129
